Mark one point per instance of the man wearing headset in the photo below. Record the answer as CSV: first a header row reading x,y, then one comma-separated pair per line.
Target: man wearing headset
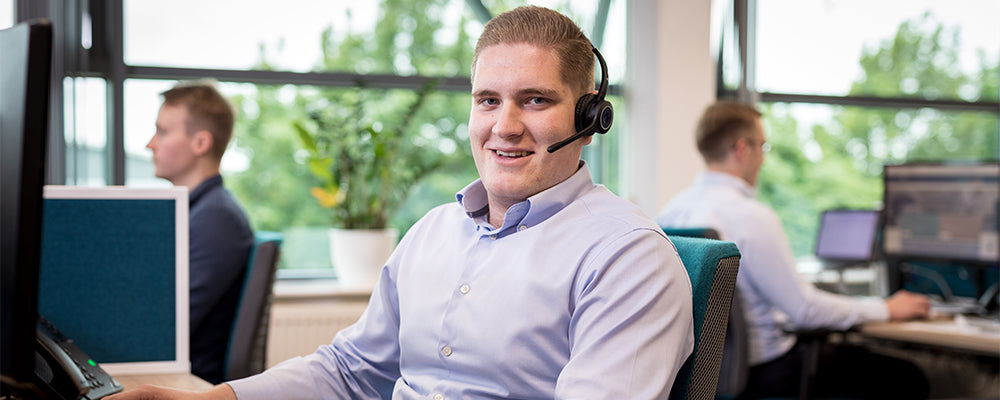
x,y
536,283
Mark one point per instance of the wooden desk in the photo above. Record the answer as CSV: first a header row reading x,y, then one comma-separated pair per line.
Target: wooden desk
x,y
966,337
177,381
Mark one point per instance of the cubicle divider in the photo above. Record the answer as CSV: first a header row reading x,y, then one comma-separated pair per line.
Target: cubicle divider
x,y
114,274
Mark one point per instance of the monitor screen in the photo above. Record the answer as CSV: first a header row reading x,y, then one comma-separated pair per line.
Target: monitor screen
x,y
847,235
942,211
25,65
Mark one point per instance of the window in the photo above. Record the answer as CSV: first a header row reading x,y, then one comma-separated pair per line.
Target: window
x,y
849,86
6,13
274,69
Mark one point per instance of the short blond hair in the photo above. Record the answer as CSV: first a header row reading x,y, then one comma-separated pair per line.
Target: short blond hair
x,y
721,125
207,109
545,28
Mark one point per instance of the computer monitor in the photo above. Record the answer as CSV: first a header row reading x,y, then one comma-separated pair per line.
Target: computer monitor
x,y
847,235
945,212
25,65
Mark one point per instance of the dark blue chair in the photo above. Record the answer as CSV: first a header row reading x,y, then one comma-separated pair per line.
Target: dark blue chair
x,y
248,339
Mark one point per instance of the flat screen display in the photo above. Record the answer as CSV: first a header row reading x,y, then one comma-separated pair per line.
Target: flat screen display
x,y
942,211
847,235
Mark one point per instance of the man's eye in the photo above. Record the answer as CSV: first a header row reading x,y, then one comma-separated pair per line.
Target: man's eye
x,y
538,100
489,102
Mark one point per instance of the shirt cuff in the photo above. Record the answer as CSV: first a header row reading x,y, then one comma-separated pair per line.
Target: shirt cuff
x,y
261,386
875,310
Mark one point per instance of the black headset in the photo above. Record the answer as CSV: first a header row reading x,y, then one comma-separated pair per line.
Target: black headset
x,y
593,113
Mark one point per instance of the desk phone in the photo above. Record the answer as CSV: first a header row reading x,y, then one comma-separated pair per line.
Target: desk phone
x,y
64,371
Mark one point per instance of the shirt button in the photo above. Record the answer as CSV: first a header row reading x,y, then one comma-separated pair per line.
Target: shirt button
x,y
522,227
493,236
464,289
438,397
446,351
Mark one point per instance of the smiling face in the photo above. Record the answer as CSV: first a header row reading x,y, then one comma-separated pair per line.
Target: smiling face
x,y
520,106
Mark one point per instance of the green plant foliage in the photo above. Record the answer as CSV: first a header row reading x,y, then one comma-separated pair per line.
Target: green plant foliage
x,y
368,161
410,39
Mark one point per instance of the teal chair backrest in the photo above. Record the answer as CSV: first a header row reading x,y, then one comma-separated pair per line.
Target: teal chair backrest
x,y
707,233
712,266
248,338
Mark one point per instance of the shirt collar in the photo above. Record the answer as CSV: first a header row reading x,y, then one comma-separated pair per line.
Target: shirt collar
x,y
728,180
530,212
204,187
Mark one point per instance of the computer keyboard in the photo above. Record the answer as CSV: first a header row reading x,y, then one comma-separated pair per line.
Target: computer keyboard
x,y
980,324
941,308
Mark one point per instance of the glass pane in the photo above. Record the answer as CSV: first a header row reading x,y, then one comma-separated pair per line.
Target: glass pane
x,y
142,104
725,43
86,131
404,37
278,164
603,153
927,48
826,156
6,13
266,166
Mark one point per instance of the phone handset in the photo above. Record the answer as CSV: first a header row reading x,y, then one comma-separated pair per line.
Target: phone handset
x,y
55,369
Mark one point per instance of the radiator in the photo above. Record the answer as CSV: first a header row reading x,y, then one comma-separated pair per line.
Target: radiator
x,y
298,327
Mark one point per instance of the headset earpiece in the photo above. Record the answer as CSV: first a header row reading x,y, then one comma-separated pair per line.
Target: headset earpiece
x,y
593,114
582,117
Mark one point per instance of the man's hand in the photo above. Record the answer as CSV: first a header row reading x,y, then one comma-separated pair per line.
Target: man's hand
x,y
150,392
905,305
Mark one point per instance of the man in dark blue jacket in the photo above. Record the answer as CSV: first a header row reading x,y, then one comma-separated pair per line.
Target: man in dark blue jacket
x,y
193,127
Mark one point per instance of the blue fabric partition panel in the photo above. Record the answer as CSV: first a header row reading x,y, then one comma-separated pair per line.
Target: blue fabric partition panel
x,y
109,277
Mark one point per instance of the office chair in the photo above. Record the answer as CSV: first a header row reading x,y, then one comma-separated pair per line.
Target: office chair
x,y
734,372
248,339
712,266
735,369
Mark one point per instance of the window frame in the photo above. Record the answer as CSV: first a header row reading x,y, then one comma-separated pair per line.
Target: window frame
x,y
744,17
105,60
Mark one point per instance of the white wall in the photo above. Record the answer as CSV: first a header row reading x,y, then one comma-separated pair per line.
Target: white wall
x,y
669,81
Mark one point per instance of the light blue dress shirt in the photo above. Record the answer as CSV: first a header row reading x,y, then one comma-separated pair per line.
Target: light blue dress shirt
x,y
578,295
772,291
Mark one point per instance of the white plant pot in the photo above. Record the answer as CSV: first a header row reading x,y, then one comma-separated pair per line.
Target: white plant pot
x,y
359,254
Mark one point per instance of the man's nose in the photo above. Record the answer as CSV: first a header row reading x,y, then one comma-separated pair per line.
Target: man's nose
x,y
508,122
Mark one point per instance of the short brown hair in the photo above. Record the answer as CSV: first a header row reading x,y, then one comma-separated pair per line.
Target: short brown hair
x,y
207,110
721,125
545,28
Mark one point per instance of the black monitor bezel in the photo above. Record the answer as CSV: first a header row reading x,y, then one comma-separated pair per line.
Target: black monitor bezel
x,y
26,63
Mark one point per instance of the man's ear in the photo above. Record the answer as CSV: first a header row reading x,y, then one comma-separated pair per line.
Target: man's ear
x,y
741,148
202,142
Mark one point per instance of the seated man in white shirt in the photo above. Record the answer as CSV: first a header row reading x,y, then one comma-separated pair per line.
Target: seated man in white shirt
x,y
730,138
536,283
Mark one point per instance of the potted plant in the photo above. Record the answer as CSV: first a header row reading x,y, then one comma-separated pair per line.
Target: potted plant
x,y
366,162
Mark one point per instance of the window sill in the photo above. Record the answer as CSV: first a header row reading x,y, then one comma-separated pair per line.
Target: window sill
x,y
319,288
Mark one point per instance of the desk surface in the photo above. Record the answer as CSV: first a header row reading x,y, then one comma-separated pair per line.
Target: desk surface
x,y
975,335
177,381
